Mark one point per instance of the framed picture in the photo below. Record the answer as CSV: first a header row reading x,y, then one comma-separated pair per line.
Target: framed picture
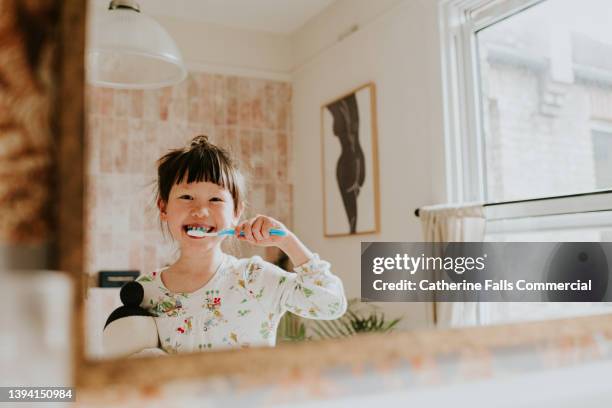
x,y
350,164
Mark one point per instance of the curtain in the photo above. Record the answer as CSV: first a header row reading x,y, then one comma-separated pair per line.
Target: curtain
x,y
454,223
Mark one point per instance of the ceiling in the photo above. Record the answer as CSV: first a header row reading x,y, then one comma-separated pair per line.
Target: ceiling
x,y
275,16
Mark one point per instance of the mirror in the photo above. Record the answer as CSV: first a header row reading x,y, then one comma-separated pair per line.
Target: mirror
x,y
267,104
41,331
61,86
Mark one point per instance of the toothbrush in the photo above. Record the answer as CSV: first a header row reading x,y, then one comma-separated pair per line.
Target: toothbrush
x,y
229,231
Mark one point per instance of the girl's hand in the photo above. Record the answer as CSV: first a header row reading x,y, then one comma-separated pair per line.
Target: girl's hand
x,y
256,231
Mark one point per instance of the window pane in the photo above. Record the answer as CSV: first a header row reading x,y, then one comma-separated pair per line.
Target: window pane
x,y
589,227
546,95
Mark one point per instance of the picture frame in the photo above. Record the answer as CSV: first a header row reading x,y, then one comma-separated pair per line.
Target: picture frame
x,y
349,152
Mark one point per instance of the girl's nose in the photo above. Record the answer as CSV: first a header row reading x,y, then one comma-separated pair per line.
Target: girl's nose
x,y
200,211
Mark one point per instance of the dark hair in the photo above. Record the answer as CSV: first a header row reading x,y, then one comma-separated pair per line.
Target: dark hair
x,y
200,161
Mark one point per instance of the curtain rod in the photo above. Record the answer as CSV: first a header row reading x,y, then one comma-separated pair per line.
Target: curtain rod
x,y
417,211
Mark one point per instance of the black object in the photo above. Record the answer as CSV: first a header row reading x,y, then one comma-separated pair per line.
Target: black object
x,y
131,295
116,279
584,261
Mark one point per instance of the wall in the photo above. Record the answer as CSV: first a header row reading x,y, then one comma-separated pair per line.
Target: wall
x,y
397,48
211,48
129,130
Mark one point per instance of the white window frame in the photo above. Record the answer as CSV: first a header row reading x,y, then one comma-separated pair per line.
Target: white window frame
x,y
464,144
461,19
465,154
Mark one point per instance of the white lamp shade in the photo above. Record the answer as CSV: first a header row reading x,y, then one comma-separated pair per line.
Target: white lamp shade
x,y
130,50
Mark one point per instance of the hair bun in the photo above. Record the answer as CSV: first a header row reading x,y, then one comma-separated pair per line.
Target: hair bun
x,y
200,140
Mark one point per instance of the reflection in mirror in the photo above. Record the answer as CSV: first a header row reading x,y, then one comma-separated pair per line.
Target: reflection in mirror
x,y
259,107
198,289
162,203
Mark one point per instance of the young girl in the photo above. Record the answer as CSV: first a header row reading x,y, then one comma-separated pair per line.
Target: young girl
x,y
208,299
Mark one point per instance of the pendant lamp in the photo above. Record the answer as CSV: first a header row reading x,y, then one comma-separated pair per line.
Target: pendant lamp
x,y
130,50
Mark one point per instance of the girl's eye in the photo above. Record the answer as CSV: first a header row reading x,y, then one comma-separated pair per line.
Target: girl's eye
x,y
186,197
216,199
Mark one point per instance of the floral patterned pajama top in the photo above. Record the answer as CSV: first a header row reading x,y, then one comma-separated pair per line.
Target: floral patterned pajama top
x,y
241,305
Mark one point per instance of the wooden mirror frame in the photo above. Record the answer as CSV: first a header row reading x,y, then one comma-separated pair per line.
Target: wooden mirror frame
x,y
259,365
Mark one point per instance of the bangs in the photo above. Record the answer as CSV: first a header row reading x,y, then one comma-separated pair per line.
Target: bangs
x,y
201,161
196,166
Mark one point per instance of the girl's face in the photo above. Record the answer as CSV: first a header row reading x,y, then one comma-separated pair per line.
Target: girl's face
x,y
201,204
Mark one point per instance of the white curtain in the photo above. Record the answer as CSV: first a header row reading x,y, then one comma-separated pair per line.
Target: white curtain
x,y
454,223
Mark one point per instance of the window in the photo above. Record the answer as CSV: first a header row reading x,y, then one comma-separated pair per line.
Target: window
x,y
602,153
529,78
528,91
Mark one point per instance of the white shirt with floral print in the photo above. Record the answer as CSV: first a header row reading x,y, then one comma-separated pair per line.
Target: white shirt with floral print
x,y
241,305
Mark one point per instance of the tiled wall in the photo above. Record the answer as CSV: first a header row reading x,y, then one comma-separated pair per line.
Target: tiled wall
x,y
129,130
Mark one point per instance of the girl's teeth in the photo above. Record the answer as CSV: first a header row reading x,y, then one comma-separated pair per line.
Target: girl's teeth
x,y
198,231
195,232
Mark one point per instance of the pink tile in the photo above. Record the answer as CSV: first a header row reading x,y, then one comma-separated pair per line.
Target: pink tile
x,y
90,96
122,103
282,162
258,120
270,112
136,147
232,142
150,258
258,103
193,109
178,110
193,87
285,107
151,220
219,100
206,110
285,92
245,105
137,106
282,117
106,144
257,198
164,96
135,255
284,202
150,108
92,143
231,85
120,153
245,145
231,100
270,195
206,85
231,115
106,101
136,214
104,242
270,153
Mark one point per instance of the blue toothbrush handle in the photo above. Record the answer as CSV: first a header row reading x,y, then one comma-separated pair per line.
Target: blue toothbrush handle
x,y
273,231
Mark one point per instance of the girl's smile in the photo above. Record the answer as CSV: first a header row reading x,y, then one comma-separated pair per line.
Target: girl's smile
x,y
198,207
194,230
